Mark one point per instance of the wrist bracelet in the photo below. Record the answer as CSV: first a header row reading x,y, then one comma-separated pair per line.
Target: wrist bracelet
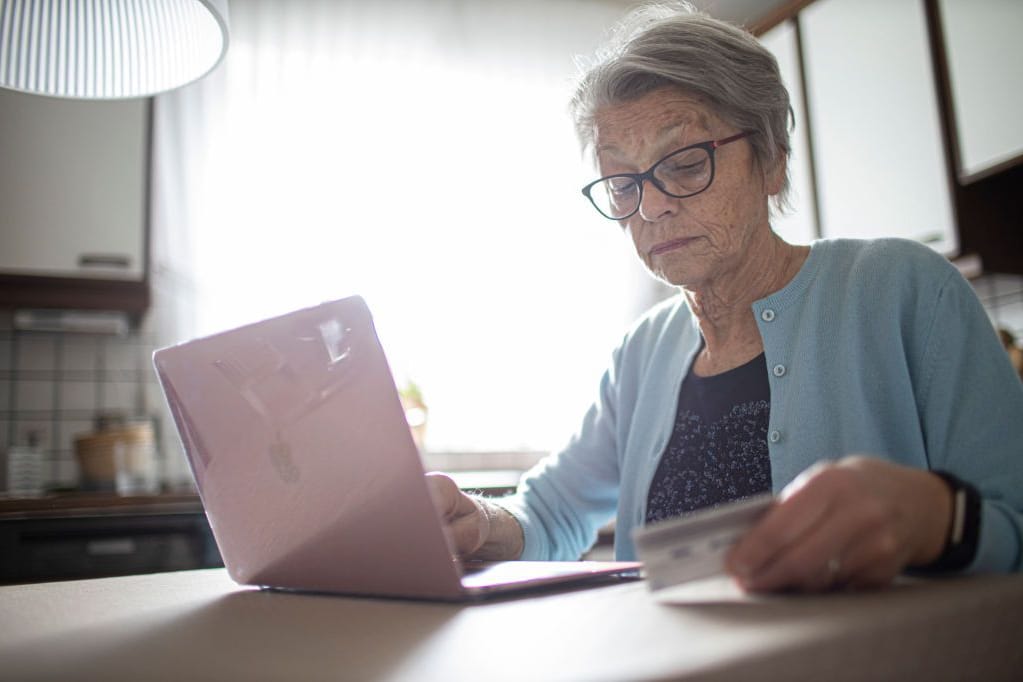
x,y
964,533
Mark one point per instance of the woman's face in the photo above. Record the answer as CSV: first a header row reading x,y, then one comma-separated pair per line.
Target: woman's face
x,y
687,242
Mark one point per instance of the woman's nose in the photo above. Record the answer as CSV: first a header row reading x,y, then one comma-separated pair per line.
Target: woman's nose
x,y
655,204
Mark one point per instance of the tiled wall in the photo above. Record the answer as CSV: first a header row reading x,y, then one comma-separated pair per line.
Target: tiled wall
x,y
1002,295
56,384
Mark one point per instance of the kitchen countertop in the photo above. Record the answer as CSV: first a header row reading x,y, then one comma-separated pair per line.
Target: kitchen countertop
x,y
97,504
487,482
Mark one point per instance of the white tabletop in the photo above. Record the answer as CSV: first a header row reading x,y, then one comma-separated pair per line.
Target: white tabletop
x,y
197,625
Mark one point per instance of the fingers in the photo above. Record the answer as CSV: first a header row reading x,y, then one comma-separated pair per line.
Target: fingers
x,y
467,523
470,531
873,558
845,548
831,528
805,555
763,558
445,493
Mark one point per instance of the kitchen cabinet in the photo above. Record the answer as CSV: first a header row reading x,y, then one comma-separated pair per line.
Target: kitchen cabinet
x,y
874,120
799,224
74,181
985,64
92,536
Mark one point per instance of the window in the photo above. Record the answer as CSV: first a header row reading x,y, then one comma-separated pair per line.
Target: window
x,y
419,154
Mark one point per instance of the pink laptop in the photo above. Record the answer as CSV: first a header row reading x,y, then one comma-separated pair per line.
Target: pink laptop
x,y
307,469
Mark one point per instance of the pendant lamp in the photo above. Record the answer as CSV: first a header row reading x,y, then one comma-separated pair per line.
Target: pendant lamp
x,y
109,49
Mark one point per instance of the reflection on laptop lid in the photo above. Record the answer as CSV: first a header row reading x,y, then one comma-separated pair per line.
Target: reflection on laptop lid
x,y
307,469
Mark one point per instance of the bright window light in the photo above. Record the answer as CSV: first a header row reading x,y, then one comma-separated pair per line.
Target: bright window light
x,y
441,185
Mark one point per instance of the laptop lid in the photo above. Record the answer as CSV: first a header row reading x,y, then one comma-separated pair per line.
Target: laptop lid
x,y
305,464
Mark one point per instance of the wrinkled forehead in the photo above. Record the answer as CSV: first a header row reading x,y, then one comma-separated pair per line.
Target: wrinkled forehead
x,y
658,117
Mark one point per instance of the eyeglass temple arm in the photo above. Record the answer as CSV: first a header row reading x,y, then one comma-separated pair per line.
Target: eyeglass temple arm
x,y
733,138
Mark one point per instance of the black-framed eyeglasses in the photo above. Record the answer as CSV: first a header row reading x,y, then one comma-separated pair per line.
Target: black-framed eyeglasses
x,y
683,173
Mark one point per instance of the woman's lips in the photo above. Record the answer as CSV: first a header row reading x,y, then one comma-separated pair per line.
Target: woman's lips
x,y
671,245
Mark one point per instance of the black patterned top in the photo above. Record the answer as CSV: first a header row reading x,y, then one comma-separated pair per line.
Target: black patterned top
x,y
718,450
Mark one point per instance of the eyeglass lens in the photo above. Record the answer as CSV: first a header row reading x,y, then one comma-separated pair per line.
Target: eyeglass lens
x,y
682,174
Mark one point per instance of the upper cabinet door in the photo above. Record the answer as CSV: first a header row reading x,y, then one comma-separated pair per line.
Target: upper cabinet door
x,y
985,63
880,166
73,184
798,224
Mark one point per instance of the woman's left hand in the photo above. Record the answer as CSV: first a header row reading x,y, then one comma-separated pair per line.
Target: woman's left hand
x,y
857,522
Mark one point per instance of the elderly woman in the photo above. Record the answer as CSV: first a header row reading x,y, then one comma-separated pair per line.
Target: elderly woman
x,y
861,381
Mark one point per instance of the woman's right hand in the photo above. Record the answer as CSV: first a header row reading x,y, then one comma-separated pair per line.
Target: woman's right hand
x,y
478,529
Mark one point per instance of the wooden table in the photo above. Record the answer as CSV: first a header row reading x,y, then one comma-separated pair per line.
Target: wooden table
x,y
198,625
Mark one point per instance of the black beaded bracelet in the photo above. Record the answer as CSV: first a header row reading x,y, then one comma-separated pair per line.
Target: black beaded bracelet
x,y
964,535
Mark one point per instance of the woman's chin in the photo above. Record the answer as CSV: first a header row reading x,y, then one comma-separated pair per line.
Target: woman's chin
x,y
686,278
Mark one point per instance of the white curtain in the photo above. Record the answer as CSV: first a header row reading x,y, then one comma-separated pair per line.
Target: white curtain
x,y
418,153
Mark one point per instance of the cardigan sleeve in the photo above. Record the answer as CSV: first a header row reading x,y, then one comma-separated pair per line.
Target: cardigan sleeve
x,y
971,405
562,502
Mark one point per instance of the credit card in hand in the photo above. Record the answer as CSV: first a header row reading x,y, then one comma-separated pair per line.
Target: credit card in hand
x,y
693,546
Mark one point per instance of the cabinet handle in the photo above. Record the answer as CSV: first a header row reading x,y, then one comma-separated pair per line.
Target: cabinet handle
x,y
111,547
103,260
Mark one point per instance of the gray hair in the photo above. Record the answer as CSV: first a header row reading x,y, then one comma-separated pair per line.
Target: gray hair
x,y
674,45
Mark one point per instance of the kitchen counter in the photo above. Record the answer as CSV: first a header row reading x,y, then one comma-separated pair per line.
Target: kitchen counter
x,y
79,535
96,504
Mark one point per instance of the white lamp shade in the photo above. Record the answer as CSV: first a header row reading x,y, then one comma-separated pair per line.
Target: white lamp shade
x,y
109,49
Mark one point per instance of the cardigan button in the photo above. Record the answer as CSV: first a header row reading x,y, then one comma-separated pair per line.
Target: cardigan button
x,y
779,370
774,436
767,315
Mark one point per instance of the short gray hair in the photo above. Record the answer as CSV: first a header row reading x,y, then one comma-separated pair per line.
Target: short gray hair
x,y
674,45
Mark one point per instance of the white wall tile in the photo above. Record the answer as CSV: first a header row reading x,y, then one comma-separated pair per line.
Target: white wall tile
x,y
36,352
34,395
30,361
80,353
1007,285
122,396
1010,316
156,403
120,354
175,467
996,289
5,353
984,289
78,396
43,430
149,375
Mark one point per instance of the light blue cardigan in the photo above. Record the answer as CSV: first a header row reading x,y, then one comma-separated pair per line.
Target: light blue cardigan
x,y
876,347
